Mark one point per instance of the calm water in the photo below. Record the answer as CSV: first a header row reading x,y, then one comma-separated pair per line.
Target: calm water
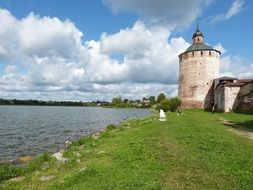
x,y
30,130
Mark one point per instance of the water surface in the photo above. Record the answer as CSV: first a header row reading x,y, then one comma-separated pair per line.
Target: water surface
x,y
30,130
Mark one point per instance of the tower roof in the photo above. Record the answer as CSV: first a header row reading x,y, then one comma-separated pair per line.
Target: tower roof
x,y
198,47
197,33
198,42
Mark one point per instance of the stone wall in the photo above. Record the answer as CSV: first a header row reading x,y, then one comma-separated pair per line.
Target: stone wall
x,y
231,101
219,98
234,98
197,70
245,99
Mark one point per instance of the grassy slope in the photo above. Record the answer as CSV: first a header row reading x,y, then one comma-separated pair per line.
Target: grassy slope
x,y
193,151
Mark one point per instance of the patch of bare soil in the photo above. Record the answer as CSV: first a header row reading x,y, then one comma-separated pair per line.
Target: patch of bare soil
x,y
239,129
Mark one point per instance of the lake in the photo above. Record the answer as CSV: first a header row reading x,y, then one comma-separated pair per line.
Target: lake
x,y
30,130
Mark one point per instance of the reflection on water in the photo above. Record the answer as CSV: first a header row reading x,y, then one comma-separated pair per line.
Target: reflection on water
x,y
29,130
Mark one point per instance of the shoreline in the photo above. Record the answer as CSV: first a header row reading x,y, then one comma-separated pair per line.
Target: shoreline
x,y
62,146
181,152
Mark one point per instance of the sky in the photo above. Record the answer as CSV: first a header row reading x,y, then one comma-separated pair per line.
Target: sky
x,y
99,49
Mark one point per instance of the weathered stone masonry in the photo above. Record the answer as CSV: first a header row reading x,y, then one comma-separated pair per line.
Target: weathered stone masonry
x,y
199,85
198,66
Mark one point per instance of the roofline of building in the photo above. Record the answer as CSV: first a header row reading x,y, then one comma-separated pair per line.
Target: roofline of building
x,y
225,77
199,50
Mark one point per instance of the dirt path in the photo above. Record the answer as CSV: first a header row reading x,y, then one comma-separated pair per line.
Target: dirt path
x,y
239,129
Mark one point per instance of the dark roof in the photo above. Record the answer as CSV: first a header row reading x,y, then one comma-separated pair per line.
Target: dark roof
x,y
199,46
233,82
237,84
226,78
197,33
245,80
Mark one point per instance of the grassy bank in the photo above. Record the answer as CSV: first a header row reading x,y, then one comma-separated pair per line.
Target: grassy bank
x,y
192,151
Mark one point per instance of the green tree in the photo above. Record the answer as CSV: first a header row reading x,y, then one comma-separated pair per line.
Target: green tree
x,y
116,101
171,104
125,100
174,104
164,105
161,97
152,100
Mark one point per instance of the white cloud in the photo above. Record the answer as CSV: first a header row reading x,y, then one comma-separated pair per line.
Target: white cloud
x,y
13,80
235,8
236,66
220,48
148,57
171,13
45,58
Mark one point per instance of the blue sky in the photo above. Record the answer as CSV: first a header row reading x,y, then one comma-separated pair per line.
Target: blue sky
x,y
98,49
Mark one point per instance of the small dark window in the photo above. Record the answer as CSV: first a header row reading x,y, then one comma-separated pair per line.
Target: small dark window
x,y
210,53
192,53
201,53
207,83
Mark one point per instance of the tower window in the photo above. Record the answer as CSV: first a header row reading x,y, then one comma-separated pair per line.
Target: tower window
x,y
201,54
210,53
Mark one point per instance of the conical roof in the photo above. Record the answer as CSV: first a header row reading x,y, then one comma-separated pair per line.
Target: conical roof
x,y
197,33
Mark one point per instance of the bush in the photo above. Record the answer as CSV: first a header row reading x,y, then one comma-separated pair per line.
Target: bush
x,y
37,162
171,104
174,104
164,105
161,97
110,127
7,172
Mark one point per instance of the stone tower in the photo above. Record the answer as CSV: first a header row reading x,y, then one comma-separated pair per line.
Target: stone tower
x,y
198,67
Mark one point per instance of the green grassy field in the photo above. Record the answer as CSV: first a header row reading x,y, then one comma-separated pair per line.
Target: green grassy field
x,y
192,151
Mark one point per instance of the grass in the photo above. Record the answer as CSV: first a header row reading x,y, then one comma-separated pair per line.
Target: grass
x,y
192,151
243,120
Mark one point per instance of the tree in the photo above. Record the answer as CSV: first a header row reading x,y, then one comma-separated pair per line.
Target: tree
x,y
174,104
125,101
116,101
152,100
161,97
171,104
164,105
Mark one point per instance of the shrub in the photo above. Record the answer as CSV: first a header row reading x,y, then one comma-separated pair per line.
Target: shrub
x,y
161,97
165,105
169,104
110,127
37,162
7,172
174,104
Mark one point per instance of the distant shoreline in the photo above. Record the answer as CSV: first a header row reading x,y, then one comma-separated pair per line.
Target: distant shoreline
x,y
104,104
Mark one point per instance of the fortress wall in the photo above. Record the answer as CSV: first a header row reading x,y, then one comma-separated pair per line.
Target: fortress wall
x,y
196,73
231,101
245,98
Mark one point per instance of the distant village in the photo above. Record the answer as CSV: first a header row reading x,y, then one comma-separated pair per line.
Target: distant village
x,y
117,102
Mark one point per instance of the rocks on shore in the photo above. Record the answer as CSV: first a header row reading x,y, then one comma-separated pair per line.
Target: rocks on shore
x,y
77,154
67,144
46,178
96,135
17,179
101,152
25,158
59,157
